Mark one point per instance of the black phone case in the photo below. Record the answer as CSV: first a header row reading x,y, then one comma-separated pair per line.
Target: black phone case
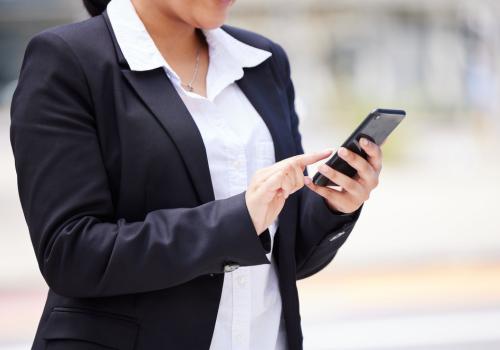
x,y
376,127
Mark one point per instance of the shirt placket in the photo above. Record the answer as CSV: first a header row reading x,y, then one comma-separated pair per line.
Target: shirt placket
x,y
240,278
241,309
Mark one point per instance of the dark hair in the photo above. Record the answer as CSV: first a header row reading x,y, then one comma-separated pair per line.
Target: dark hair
x,y
95,7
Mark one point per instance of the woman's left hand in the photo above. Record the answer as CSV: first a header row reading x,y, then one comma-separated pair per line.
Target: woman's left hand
x,y
354,191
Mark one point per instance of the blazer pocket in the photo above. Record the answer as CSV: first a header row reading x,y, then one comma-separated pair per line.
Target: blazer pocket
x,y
114,331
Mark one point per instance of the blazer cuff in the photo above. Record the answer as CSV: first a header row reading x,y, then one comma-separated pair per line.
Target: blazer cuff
x,y
325,219
354,215
246,245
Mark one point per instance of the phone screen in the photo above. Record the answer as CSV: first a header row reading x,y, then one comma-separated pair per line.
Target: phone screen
x,y
376,127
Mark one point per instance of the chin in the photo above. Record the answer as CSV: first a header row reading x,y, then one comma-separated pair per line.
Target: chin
x,y
213,13
211,23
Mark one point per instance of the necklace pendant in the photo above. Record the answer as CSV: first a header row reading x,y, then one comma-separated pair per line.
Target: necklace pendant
x,y
189,88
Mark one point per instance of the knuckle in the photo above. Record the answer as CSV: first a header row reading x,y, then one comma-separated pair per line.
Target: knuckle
x,y
325,170
371,182
349,184
331,173
365,167
354,162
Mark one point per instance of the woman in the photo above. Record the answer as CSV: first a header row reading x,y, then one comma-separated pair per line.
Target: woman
x,y
157,154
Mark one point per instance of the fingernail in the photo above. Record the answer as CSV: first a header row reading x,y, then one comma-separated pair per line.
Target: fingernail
x,y
342,151
364,142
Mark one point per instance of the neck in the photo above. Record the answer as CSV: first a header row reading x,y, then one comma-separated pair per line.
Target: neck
x,y
173,37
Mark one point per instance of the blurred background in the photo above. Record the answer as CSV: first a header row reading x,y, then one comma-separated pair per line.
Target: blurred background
x,y
421,270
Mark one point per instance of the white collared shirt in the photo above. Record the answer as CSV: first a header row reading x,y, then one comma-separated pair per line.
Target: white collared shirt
x,y
237,143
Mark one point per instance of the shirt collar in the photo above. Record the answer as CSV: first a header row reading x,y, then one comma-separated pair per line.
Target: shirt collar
x,y
228,56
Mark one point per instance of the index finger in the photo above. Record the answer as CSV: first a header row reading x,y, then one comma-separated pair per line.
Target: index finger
x,y
306,159
301,160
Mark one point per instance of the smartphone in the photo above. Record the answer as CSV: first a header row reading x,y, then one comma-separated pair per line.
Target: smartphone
x,y
376,127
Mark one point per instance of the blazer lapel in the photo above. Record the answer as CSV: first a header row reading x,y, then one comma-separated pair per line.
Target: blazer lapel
x,y
261,90
158,93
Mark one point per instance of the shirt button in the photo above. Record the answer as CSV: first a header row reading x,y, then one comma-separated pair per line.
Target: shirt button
x,y
230,267
239,337
242,281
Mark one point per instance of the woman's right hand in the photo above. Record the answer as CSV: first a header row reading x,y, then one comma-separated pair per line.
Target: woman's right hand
x,y
271,186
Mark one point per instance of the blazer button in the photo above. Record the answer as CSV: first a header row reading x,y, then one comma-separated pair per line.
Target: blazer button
x,y
230,267
338,235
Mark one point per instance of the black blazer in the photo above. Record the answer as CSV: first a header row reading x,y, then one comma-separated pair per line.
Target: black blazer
x,y
115,187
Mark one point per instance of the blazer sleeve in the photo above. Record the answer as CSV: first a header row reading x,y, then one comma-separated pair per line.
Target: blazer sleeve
x,y
82,249
320,230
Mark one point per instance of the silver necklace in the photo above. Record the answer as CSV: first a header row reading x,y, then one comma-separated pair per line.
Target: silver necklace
x,y
189,86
